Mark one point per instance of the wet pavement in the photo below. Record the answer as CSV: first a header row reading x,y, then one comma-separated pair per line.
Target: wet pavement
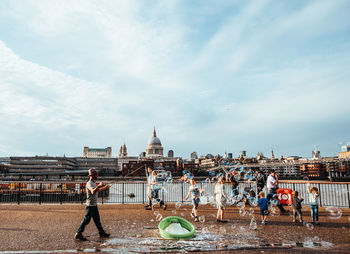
x,y
29,228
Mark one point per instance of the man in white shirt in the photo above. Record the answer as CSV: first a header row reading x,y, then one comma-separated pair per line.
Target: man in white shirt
x,y
272,186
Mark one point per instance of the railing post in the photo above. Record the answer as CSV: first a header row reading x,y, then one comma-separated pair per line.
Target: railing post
x,y
348,194
182,192
319,192
19,193
122,193
61,194
143,193
40,193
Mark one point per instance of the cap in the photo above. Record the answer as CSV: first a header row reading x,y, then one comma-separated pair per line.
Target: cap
x,y
92,171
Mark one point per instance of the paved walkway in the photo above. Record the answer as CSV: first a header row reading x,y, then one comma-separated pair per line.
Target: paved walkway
x,y
49,228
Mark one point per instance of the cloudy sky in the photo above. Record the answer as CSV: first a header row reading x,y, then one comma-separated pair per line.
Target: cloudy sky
x,y
211,76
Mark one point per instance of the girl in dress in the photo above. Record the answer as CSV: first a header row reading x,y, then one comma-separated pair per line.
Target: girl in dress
x,y
220,199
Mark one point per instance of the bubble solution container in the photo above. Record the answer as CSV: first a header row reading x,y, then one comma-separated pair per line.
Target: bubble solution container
x,y
174,219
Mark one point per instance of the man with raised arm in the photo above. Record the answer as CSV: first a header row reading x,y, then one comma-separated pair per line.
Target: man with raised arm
x,y
91,206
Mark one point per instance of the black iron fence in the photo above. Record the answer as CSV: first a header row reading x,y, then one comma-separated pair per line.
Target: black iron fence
x,y
331,194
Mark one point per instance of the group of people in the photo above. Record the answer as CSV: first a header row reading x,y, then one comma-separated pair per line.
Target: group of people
x,y
195,192
272,186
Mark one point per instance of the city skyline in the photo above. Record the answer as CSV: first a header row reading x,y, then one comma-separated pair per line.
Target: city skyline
x,y
211,77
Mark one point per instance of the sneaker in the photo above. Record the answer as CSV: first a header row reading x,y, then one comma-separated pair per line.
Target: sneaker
x,y
148,208
103,234
224,221
192,215
165,206
79,236
196,219
263,222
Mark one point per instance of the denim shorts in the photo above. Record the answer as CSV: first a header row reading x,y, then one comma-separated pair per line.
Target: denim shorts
x,y
195,202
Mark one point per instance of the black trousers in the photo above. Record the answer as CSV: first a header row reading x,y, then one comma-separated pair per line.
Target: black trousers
x,y
91,212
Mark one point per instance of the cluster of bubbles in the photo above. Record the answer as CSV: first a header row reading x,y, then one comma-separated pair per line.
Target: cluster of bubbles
x,y
253,225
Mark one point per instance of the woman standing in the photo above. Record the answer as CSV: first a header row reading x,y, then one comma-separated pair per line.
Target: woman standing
x,y
220,198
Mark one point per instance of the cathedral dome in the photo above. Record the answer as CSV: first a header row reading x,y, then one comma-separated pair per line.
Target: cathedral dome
x,y
154,141
154,147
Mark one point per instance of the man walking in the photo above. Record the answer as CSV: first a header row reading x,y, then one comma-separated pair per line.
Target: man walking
x,y
91,206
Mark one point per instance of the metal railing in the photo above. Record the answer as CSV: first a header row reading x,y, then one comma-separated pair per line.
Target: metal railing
x,y
331,194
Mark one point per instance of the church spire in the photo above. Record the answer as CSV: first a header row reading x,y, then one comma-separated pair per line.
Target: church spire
x,y
154,132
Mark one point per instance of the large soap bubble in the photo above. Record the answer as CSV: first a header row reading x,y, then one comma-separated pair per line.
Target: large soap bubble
x,y
334,213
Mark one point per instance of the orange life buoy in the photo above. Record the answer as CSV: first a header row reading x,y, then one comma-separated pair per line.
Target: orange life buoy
x,y
285,196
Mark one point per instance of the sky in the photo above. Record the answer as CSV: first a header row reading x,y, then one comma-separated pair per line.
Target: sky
x,y
211,76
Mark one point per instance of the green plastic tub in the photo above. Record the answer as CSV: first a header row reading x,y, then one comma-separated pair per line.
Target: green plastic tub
x,y
174,219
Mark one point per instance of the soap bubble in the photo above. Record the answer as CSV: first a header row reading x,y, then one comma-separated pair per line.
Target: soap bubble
x,y
222,230
201,218
274,211
159,217
233,226
309,226
205,230
253,202
242,212
253,224
305,178
178,205
182,214
241,204
274,202
204,200
190,176
334,213
155,213
251,212
173,212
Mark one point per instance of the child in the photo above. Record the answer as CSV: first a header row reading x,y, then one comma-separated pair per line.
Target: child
x,y
297,206
220,199
263,203
195,191
313,198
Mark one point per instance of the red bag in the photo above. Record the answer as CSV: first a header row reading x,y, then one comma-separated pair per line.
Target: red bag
x,y
285,196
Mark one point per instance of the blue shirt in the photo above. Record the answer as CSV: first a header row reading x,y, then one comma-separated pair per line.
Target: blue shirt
x,y
263,203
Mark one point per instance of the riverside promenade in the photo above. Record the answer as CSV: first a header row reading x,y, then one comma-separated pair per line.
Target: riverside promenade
x,y
33,228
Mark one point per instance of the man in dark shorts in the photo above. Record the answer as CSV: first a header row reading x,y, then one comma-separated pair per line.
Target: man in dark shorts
x,y
91,206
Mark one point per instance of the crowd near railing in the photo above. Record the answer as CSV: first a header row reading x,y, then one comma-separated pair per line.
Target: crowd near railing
x,y
331,194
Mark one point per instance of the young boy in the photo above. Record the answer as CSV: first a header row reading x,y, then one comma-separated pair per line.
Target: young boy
x,y
263,203
313,198
297,206
195,192
91,206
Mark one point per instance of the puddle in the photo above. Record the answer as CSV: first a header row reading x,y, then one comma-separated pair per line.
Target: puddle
x,y
210,238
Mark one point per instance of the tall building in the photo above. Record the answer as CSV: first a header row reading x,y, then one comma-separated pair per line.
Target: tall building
x,y
154,148
123,151
97,152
